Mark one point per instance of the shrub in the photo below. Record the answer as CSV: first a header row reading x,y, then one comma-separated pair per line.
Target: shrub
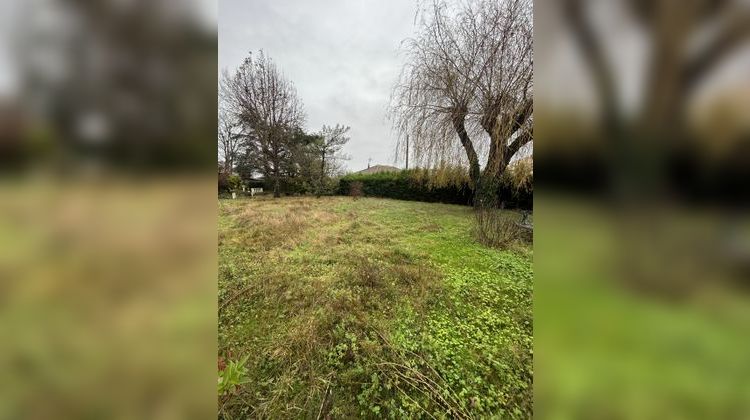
x,y
294,186
422,185
355,189
406,185
499,229
329,186
235,183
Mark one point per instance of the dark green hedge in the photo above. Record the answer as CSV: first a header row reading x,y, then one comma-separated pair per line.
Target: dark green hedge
x,y
406,185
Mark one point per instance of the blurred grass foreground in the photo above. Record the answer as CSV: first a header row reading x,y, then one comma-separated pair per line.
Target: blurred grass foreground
x,y
606,348
642,244
107,252
107,296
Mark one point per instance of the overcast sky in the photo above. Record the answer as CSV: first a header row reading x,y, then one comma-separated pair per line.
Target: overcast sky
x,y
342,55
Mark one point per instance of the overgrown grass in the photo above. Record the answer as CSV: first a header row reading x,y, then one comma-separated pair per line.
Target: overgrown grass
x,y
371,308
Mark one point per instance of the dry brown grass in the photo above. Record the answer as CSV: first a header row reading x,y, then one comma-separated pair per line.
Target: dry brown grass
x,y
102,279
262,226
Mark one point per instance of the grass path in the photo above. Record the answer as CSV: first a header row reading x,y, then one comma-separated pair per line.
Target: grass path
x,y
371,308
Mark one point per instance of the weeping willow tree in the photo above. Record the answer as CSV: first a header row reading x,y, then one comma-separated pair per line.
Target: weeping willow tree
x,y
464,96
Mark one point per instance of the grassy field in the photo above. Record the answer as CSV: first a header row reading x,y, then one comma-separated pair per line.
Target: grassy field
x,y
371,308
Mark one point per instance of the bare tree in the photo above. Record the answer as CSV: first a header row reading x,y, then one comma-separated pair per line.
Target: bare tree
x,y
332,140
688,42
468,77
267,105
230,141
654,157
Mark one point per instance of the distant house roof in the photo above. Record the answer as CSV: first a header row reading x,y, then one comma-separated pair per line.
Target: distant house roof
x,y
376,169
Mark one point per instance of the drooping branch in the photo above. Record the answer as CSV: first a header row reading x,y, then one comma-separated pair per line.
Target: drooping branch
x,y
732,36
595,59
471,154
523,138
504,129
523,114
465,86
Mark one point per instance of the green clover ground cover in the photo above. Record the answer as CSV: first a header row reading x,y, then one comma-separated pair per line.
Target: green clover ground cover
x,y
371,308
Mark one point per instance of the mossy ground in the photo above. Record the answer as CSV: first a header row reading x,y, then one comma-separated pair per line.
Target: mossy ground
x,y
371,308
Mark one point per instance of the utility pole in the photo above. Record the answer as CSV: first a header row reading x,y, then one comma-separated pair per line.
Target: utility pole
x,y
407,152
368,162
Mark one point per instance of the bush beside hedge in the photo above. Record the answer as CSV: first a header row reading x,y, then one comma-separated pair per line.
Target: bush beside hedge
x,y
409,185
293,186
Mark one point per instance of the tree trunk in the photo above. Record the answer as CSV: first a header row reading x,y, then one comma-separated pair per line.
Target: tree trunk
x,y
487,192
471,154
322,174
486,183
276,192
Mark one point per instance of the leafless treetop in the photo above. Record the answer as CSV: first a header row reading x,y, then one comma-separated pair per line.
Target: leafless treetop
x,y
262,98
470,67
